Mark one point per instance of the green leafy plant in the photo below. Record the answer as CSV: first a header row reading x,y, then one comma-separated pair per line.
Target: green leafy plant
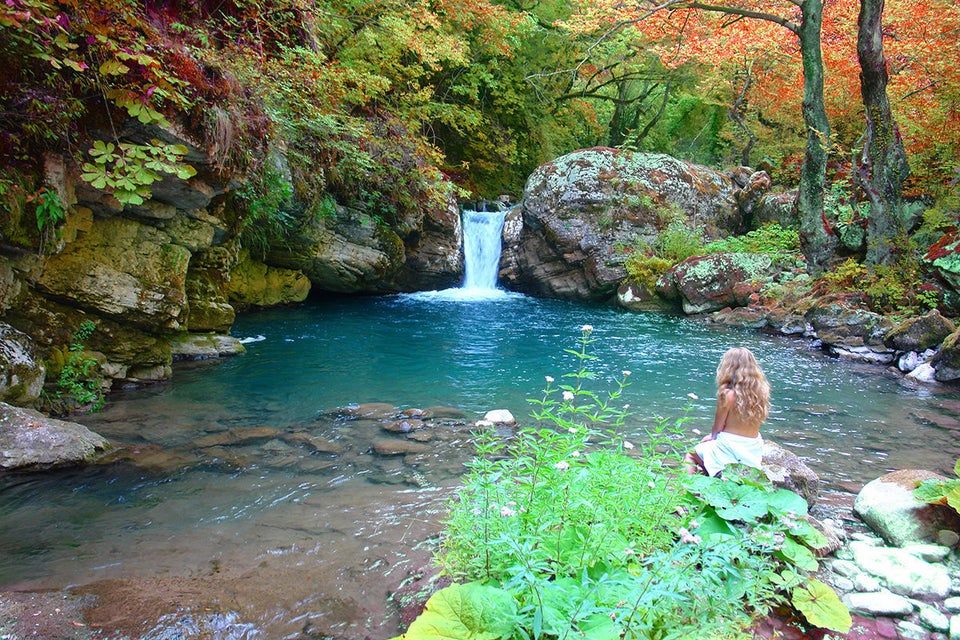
x,y
262,204
78,381
129,169
50,214
897,290
940,491
569,530
771,239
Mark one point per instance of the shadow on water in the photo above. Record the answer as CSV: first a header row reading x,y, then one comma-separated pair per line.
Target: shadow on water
x,y
277,494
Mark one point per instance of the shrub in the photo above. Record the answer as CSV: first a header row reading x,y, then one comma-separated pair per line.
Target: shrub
x,y
78,380
559,534
771,239
897,290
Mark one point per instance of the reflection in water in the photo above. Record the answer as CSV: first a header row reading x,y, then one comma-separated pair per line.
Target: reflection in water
x,y
247,492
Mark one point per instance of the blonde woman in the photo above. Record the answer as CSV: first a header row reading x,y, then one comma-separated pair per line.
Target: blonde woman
x,y
743,401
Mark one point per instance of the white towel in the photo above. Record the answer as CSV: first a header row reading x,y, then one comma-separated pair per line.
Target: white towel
x,y
729,448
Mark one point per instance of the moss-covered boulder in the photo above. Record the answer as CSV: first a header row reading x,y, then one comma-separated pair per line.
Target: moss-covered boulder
x,y
849,331
22,373
122,269
921,333
709,283
946,363
581,210
255,284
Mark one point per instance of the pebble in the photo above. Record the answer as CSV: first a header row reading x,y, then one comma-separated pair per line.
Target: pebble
x,y
948,538
879,603
843,584
931,618
955,627
847,569
928,552
910,631
865,582
952,604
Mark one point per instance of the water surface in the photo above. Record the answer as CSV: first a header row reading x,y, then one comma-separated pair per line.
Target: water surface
x,y
251,495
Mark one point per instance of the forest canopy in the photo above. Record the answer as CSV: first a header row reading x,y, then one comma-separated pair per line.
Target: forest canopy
x,y
379,101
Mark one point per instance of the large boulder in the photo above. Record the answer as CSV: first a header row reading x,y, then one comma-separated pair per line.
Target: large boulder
x,y
712,282
887,505
921,333
255,284
946,363
122,269
434,259
581,209
21,371
350,253
786,470
31,441
849,331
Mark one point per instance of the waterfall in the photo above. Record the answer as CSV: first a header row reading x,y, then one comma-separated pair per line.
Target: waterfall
x,y
481,249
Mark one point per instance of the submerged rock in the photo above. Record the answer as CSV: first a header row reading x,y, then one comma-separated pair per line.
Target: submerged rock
x,y
31,441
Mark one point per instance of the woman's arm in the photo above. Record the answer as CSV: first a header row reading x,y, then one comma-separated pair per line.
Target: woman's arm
x,y
725,400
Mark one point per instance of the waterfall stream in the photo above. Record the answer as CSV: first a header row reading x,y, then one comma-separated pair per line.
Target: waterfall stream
x,y
481,249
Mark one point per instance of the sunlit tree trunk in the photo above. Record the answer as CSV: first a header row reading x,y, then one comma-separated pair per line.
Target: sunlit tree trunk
x,y
883,167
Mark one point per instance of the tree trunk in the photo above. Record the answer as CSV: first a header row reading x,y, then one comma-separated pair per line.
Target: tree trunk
x,y
883,163
816,236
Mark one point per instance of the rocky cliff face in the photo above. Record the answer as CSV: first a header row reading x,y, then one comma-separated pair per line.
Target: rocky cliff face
x,y
582,210
148,275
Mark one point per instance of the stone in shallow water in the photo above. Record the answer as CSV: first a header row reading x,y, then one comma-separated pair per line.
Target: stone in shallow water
x,y
500,416
932,618
403,426
902,572
313,443
394,447
881,603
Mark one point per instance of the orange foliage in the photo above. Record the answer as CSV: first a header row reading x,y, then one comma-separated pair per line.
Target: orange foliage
x,y
920,45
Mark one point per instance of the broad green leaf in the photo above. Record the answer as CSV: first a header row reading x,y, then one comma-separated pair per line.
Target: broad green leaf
x,y
953,498
808,535
737,502
713,525
472,611
786,502
797,554
600,627
821,607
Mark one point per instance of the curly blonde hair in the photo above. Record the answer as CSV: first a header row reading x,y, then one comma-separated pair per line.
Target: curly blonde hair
x,y
740,372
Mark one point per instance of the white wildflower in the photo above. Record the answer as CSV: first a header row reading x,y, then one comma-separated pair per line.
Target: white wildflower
x,y
549,379
688,538
626,373
587,328
507,512
575,454
563,465
568,396
627,445
572,430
